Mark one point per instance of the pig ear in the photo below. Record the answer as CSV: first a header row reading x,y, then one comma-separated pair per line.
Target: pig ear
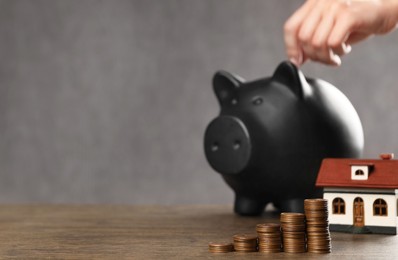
x,y
225,85
289,75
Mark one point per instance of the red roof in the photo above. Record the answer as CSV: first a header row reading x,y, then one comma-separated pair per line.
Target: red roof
x,y
337,173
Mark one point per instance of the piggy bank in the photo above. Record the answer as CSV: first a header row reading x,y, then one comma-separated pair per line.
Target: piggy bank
x,y
272,134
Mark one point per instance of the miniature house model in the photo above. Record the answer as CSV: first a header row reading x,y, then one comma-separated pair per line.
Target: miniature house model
x,y
362,194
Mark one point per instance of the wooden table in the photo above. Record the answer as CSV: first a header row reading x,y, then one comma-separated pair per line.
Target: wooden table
x,y
150,232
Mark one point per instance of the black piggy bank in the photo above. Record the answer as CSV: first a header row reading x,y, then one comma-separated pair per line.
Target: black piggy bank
x,y
272,134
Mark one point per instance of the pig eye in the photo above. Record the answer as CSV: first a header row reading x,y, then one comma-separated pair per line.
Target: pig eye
x,y
214,147
236,145
257,101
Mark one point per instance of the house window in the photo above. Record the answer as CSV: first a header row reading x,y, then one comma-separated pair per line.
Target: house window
x,y
359,173
338,206
380,208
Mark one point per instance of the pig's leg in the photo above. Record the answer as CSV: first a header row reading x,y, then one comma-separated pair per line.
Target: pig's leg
x,y
292,205
248,206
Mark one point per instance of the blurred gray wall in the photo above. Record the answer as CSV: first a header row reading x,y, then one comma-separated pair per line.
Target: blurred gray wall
x,y
107,101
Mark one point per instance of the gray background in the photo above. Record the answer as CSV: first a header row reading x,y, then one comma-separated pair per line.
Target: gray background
x,y
107,101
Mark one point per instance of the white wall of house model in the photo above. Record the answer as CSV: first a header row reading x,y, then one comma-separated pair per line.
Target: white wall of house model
x,y
349,195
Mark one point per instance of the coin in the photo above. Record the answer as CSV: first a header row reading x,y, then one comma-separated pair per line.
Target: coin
x,y
293,232
244,237
318,234
220,247
268,228
245,243
269,237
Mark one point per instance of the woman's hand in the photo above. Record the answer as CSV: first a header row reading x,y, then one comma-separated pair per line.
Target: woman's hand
x,y
324,30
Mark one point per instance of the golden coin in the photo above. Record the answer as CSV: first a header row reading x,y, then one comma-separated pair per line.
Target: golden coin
x,y
268,228
317,201
220,247
289,216
244,237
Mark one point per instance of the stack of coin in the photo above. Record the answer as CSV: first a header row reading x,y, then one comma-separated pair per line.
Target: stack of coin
x,y
220,247
269,237
318,235
245,243
293,230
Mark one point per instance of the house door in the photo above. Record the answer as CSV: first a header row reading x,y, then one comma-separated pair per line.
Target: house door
x,y
358,212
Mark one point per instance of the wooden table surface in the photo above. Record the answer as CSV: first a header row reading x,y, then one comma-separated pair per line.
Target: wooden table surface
x,y
150,232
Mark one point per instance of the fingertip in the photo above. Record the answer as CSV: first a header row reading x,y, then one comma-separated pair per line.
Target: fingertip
x,y
296,59
336,60
346,48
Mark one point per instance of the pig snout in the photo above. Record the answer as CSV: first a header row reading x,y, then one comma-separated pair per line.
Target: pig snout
x,y
227,145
